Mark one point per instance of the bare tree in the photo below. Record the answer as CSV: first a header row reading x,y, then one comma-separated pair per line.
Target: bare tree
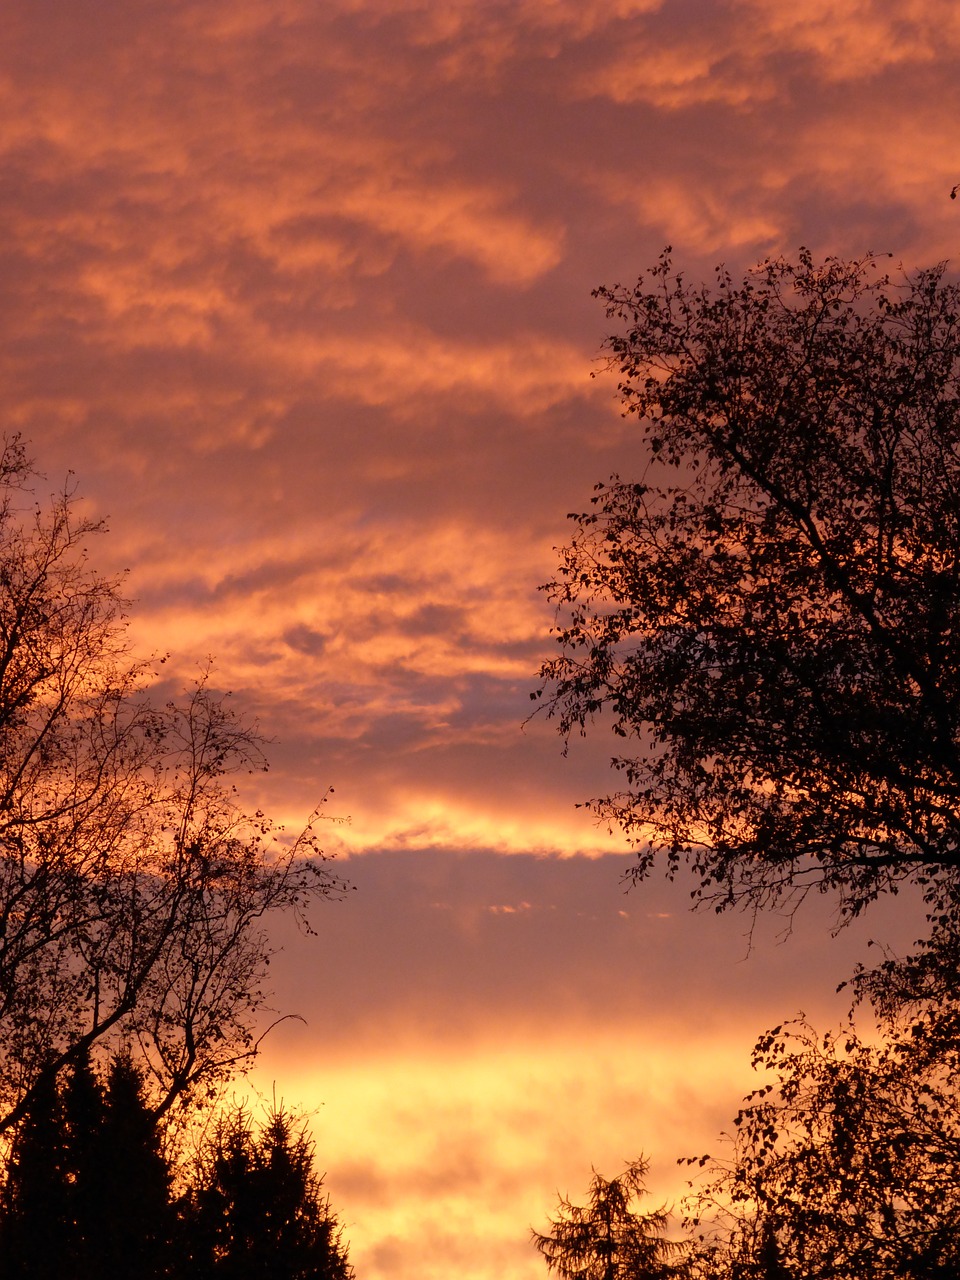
x,y
133,887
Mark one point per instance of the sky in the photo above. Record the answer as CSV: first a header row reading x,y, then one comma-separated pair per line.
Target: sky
x,y
300,291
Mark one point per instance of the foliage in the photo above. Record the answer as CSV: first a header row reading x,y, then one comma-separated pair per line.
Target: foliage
x,y
769,617
607,1239
770,613
132,886
37,1208
257,1210
845,1166
87,1193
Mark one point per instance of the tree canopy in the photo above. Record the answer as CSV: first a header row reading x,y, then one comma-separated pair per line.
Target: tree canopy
x,y
845,1165
768,612
133,886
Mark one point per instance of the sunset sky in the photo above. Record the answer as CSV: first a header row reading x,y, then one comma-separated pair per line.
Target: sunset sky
x,y
301,292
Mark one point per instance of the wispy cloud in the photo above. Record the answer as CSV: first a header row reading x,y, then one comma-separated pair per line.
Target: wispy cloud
x,y
301,292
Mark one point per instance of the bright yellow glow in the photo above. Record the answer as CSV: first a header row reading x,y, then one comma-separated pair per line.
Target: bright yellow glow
x,y
441,1158
421,821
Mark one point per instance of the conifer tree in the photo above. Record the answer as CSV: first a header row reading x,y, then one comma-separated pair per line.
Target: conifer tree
x,y
258,1210
86,1196
36,1236
83,1120
608,1239
136,1213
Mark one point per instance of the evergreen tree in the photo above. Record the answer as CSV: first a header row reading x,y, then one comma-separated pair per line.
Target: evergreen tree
x,y
36,1233
83,1117
607,1239
87,1193
136,1215
258,1210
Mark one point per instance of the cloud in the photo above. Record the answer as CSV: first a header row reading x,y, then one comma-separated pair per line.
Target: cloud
x,y
745,54
302,294
870,36
467,1063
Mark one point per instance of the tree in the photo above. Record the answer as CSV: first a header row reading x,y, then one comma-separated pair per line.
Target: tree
x,y
257,1210
36,1210
87,1192
87,1159
607,1239
131,1216
769,614
87,1187
133,887
845,1166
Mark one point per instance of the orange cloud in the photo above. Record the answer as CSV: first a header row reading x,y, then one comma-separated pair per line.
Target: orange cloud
x,y
861,42
301,291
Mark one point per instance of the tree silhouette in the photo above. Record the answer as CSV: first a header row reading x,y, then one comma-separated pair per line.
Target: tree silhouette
x,y
257,1210
83,1118
134,893
87,1193
136,1217
36,1223
133,889
846,1165
769,613
607,1239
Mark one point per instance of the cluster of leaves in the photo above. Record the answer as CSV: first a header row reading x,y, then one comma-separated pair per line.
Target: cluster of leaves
x,y
133,887
770,618
771,614
89,1193
845,1165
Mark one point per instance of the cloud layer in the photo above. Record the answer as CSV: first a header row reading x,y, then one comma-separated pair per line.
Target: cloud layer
x,y
302,294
